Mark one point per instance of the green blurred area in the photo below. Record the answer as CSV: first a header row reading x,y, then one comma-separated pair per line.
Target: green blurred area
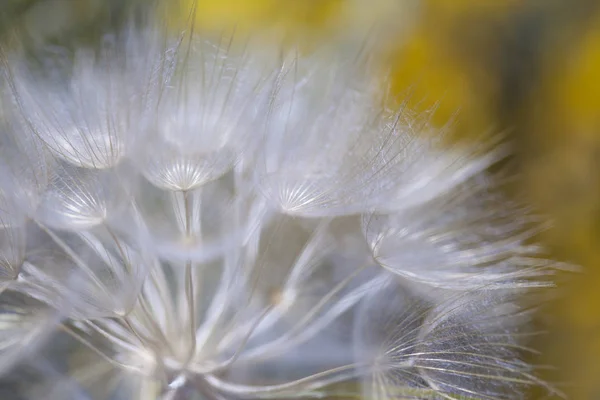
x,y
44,22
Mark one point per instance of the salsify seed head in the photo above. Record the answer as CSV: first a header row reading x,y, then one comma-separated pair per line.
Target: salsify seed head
x,y
201,216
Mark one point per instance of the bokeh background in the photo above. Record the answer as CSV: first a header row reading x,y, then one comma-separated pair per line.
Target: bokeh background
x,y
529,69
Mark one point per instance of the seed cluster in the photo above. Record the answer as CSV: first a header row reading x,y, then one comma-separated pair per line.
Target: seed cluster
x,y
209,218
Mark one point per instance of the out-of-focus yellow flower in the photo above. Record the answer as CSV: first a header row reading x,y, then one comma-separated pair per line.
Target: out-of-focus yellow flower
x,y
287,16
561,158
444,64
308,21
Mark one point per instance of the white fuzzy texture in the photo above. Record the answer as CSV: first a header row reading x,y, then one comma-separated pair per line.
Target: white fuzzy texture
x,y
331,149
192,213
467,346
456,243
208,115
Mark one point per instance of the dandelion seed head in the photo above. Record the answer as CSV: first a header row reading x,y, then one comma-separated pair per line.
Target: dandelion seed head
x,y
205,216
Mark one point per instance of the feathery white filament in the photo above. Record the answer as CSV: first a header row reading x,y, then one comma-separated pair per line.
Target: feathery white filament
x,y
456,242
